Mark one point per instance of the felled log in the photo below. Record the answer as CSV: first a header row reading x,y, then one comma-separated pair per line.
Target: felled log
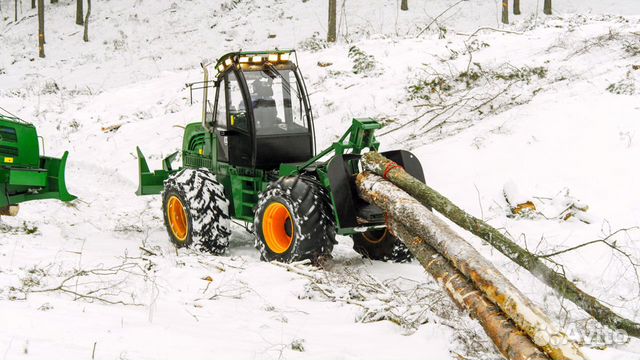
x,y
507,337
11,210
378,164
406,210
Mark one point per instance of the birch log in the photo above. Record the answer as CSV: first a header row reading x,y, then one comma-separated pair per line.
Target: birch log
x,y
377,164
403,208
506,336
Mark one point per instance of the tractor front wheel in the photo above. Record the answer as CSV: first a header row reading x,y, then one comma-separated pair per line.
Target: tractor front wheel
x,y
196,211
381,245
293,221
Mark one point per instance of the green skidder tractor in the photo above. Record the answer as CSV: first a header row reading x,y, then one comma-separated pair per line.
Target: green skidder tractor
x,y
251,158
24,174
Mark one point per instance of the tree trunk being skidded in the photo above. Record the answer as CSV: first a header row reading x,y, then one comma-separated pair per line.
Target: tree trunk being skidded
x,y
506,336
377,164
403,208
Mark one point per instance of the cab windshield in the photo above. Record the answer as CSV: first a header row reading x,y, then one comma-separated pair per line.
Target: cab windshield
x,y
276,103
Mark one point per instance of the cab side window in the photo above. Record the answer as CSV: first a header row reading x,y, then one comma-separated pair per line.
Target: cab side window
x,y
235,103
221,111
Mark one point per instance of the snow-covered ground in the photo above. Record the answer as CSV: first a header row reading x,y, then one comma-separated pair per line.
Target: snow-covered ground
x,y
554,110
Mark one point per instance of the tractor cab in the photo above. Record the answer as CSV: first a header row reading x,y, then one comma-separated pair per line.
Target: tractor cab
x,y
258,109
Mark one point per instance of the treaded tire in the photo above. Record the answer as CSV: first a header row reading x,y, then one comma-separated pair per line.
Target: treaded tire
x,y
206,209
381,245
310,215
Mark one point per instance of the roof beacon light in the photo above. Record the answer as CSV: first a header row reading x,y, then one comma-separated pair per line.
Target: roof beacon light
x,y
273,58
285,57
228,61
243,59
220,68
256,59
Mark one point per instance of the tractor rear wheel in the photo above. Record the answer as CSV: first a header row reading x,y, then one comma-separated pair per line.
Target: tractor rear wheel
x,y
196,211
293,221
381,245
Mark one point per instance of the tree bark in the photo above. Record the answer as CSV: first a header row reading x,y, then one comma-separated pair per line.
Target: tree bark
x,y
377,164
404,5
404,209
79,12
41,28
333,9
505,11
516,7
506,336
547,7
86,22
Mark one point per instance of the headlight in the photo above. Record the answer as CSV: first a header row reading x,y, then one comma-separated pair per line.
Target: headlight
x,y
273,57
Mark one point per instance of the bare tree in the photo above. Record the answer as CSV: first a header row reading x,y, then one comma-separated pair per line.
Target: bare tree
x,y
33,4
547,7
86,22
505,11
516,7
15,17
41,28
331,33
79,12
405,5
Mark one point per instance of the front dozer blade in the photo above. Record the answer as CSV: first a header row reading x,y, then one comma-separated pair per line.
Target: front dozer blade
x,y
152,183
56,184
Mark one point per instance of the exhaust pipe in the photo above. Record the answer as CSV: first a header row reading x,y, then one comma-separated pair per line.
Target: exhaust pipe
x,y
11,210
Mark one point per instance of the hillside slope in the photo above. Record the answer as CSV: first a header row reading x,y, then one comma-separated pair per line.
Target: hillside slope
x,y
550,104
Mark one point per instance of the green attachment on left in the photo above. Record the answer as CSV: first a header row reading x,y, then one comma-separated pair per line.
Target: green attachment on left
x,y
24,174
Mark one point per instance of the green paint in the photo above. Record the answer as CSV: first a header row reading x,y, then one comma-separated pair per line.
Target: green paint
x,y
24,174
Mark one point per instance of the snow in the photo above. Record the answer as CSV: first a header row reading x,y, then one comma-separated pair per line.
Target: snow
x,y
572,134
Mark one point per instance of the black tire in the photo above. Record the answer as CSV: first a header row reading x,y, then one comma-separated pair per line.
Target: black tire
x,y
205,211
381,245
309,225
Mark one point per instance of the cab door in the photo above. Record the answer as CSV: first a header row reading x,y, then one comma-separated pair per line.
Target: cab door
x,y
238,130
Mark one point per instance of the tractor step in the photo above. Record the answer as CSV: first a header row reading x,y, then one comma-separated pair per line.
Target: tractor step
x,y
245,199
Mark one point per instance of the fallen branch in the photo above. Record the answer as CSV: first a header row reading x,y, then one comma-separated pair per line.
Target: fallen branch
x,y
427,196
404,302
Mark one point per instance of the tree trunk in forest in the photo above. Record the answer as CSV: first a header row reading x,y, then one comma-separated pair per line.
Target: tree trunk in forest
x,y
516,7
505,11
33,4
404,5
79,12
506,336
376,163
404,209
333,9
547,7
86,22
54,1
41,28
15,17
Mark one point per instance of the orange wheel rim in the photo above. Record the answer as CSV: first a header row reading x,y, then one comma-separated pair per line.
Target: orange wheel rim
x,y
277,228
370,237
177,218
